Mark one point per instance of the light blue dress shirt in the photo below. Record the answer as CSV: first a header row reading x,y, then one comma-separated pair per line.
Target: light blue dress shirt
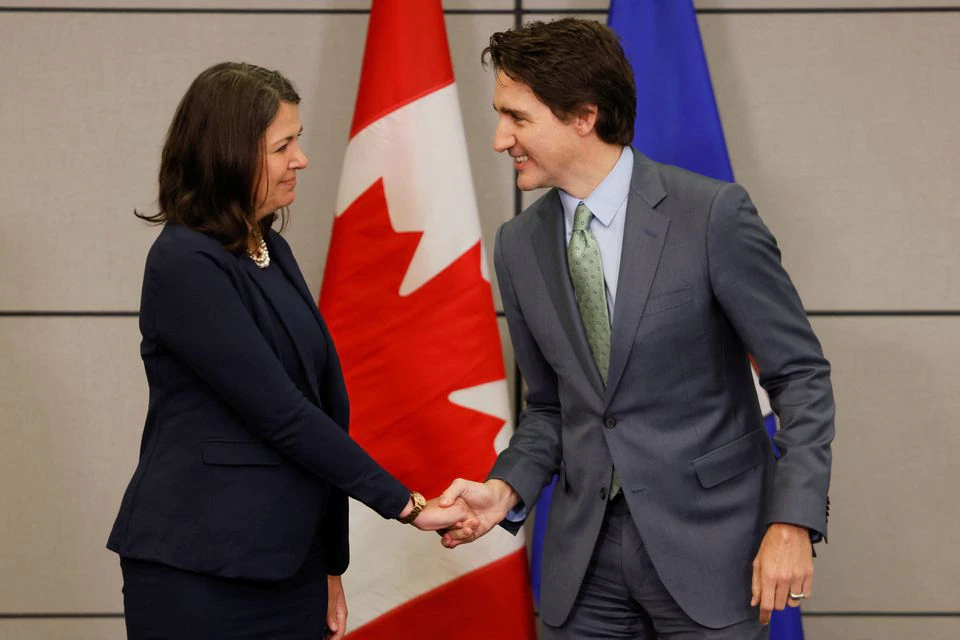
x,y
608,203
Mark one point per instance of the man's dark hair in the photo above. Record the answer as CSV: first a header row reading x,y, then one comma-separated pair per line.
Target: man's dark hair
x,y
211,160
569,64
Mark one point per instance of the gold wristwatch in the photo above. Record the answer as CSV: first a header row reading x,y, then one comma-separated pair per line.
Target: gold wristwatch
x,y
418,504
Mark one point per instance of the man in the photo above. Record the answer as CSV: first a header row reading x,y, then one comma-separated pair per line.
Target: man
x,y
634,294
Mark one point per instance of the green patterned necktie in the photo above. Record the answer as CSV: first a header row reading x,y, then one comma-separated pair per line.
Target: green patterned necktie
x,y
586,272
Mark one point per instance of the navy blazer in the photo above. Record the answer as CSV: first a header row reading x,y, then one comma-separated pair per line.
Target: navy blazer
x,y
240,472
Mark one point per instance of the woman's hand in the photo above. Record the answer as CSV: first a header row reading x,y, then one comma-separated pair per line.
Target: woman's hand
x,y
336,609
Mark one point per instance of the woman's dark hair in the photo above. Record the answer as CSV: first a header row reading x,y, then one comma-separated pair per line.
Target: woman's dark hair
x,y
210,165
569,64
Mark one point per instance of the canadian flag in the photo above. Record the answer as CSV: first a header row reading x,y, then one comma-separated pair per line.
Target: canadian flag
x,y
406,293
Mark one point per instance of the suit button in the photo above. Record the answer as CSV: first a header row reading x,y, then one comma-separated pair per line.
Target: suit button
x,y
610,423
603,493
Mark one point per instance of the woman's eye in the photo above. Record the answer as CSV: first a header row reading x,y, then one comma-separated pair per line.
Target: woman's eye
x,y
282,149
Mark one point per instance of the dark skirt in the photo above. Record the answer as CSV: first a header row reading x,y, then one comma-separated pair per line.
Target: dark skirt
x,y
164,603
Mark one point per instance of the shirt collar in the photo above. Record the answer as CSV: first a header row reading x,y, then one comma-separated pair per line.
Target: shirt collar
x,y
606,200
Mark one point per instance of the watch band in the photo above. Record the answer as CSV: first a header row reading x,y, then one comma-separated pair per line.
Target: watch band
x,y
418,504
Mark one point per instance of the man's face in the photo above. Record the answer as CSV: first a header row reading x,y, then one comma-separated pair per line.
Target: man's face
x,y
544,148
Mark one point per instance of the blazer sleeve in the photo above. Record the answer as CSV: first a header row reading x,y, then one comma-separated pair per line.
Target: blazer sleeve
x,y
197,313
761,302
535,450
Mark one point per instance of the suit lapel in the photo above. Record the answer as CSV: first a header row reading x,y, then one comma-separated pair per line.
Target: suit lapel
x,y
549,245
284,260
644,234
335,402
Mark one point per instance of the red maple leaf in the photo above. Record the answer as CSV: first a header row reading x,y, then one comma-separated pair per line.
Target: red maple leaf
x,y
403,356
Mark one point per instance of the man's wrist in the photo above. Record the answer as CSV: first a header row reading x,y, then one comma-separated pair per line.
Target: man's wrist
x,y
787,530
506,496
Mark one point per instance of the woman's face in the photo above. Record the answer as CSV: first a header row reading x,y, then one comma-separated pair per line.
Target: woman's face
x,y
283,157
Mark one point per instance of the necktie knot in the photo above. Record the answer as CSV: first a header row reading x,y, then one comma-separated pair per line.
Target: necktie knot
x,y
582,217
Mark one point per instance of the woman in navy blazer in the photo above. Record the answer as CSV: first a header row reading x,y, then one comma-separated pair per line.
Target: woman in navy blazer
x,y
234,524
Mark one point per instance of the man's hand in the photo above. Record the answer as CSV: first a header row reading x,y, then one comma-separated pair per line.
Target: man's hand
x,y
455,514
490,502
336,609
784,565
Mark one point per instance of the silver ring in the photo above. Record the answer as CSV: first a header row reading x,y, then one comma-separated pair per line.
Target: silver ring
x,y
797,596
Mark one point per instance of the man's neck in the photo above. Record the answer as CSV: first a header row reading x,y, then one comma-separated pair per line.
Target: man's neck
x,y
592,167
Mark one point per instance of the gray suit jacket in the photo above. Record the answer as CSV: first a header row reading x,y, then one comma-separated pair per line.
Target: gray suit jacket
x,y
701,287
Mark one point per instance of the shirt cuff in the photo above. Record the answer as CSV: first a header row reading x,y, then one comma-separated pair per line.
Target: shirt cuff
x,y
517,514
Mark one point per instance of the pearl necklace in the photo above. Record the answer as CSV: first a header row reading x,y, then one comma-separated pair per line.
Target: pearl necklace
x,y
262,257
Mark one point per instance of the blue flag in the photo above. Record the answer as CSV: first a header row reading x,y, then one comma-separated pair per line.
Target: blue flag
x,y
677,118
677,123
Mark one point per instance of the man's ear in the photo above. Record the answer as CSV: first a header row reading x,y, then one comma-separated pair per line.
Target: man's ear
x,y
586,120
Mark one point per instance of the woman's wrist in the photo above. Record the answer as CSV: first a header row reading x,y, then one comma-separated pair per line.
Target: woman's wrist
x,y
414,506
407,508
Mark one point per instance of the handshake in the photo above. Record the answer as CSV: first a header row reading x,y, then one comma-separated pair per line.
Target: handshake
x,y
465,511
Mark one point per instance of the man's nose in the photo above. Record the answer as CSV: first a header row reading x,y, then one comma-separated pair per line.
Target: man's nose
x,y
503,138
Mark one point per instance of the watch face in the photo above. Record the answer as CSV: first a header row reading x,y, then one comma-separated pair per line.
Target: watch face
x,y
419,503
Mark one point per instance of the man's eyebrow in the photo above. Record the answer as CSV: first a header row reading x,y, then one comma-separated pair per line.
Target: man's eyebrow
x,y
510,112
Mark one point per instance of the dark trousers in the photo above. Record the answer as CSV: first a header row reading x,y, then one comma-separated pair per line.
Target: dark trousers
x,y
622,595
164,603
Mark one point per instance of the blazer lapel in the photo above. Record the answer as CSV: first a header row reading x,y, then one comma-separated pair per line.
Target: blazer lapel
x,y
644,234
549,245
284,260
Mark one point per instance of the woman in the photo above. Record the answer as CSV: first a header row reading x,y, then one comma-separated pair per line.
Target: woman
x,y
234,524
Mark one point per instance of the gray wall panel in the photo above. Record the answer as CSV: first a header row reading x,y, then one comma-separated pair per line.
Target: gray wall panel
x,y
822,4
842,128
73,396
310,5
70,629
602,5
893,519
567,5
101,96
100,83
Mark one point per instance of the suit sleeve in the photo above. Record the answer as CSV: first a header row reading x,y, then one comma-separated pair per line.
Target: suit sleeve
x,y
199,316
535,449
761,302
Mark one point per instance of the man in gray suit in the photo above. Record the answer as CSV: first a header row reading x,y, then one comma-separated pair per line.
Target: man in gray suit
x,y
635,293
